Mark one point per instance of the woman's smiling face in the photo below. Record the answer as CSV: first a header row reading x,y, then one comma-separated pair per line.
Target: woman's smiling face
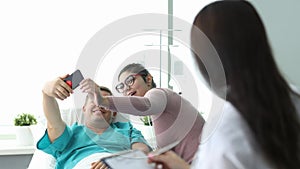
x,y
138,86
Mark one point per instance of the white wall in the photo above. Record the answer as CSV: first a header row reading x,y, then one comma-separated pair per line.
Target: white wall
x,y
281,19
40,40
43,39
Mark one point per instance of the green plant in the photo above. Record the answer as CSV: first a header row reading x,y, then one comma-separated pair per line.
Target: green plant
x,y
146,120
25,119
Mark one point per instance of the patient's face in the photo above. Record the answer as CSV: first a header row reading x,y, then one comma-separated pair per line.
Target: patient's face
x,y
93,112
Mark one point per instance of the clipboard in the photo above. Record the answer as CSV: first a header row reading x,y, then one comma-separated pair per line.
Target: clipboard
x,y
128,160
134,158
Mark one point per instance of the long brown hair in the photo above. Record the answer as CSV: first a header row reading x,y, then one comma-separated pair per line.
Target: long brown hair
x,y
256,87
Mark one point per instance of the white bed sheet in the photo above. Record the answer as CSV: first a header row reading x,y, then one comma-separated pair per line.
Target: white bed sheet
x,y
41,160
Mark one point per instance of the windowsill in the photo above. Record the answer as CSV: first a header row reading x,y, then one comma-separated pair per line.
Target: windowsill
x,y
10,147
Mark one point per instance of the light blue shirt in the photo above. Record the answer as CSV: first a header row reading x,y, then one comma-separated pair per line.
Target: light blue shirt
x,y
78,142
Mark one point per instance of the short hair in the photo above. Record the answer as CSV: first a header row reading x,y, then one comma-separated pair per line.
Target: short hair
x,y
103,88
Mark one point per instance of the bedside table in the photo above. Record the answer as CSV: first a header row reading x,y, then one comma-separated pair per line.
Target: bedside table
x,y
13,156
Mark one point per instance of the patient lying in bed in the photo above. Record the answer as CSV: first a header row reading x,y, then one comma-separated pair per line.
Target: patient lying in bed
x,y
76,145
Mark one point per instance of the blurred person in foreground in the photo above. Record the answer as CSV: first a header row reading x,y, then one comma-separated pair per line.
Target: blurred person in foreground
x,y
260,125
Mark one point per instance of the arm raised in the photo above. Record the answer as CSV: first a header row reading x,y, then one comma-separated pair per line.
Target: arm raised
x,y
55,89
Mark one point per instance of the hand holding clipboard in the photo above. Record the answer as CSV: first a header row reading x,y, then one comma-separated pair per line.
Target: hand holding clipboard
x,y
163,150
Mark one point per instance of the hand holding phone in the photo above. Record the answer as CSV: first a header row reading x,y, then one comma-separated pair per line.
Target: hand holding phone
x,y
74,79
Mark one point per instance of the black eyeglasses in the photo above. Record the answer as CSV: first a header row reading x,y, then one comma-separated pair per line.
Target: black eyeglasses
x,y
129,81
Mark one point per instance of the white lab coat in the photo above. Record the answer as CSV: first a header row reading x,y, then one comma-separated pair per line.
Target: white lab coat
x,y
227,142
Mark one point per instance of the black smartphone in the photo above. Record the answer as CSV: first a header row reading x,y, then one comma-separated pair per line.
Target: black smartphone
x,y
74,79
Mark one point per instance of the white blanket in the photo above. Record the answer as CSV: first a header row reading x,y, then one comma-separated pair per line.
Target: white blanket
x,y
86,162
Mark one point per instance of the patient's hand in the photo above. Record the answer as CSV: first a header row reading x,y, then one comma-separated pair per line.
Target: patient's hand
x,y
140,146
98,165
57,88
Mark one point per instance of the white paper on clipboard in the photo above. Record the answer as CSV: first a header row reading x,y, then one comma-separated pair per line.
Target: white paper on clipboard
x,y
128,160
134,158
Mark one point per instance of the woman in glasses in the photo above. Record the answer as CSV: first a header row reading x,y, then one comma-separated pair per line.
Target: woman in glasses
x,y
174,118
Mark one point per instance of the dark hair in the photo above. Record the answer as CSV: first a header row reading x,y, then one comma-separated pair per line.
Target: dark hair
x,y
103,88
256,87
137,68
